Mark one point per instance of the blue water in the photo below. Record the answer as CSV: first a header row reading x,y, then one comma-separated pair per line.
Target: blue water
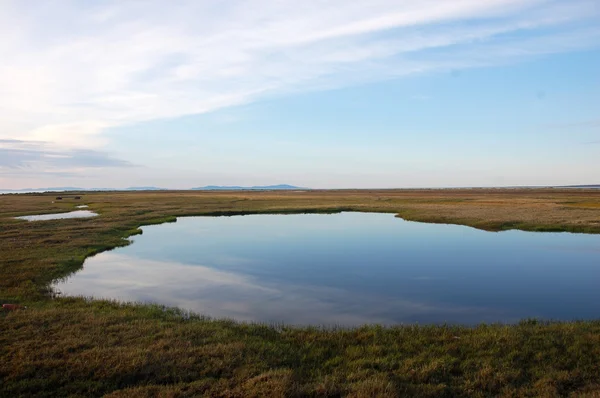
x,y
349,269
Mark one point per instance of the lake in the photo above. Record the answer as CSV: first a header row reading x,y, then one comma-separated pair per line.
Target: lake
x,y
349,269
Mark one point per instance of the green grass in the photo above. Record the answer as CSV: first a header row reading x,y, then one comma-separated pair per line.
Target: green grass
x,y
83,347
76,346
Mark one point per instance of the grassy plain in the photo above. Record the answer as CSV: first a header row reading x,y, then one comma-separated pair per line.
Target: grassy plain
x,y
67,346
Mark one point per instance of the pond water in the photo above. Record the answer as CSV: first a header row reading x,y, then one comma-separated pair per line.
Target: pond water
x,y
59,216
82,206
349,269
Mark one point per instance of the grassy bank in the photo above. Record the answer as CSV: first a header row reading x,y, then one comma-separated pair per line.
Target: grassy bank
x,y
59,347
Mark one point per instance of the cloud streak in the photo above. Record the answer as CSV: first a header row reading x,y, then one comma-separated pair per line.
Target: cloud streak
x,y
19,157
71,70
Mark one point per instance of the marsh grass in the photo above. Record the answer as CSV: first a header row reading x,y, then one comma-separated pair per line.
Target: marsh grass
x,y
84,347
89,347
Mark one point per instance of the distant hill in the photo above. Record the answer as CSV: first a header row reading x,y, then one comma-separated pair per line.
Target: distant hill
x,y
582,186
280,187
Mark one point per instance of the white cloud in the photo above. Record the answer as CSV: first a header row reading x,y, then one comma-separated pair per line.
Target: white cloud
x,y
69,69
38,158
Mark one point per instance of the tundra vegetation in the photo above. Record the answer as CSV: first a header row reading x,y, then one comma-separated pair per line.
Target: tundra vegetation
x,y
61,346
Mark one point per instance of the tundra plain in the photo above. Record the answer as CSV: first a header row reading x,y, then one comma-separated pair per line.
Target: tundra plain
x,y
84,347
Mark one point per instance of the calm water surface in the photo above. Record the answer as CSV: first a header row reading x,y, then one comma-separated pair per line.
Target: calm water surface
x,y
60,216
349,269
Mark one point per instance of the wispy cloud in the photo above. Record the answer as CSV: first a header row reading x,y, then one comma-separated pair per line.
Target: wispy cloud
x,y
70,70
19,157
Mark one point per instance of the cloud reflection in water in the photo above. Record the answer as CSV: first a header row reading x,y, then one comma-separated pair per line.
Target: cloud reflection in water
x,y
348,269
230,295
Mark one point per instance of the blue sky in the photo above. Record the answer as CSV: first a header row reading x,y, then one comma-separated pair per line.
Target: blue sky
x,y
325,95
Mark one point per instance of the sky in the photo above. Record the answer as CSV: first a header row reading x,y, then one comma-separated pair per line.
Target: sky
x,y
319,94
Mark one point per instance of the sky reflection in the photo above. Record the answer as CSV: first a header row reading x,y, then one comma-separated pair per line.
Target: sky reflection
x,y
59,216
349,269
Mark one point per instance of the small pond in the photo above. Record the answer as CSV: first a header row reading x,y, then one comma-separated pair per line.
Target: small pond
x,y
349,269
59,216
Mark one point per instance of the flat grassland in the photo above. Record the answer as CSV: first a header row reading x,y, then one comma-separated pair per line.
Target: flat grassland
x,y
83,347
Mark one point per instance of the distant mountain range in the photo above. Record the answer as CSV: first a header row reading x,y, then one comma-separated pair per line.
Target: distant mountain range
x,y
206,188
280,187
